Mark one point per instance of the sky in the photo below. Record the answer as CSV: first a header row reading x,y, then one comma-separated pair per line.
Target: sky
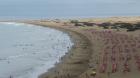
x,y
67,8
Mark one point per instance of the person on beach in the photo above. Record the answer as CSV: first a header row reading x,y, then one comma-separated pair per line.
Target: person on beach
x,y
93,72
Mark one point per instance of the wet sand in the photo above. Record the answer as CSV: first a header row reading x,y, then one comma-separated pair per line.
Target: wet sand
x,y
76,61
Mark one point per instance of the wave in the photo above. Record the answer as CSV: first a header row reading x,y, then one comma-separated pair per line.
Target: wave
x,y
36,60
16,24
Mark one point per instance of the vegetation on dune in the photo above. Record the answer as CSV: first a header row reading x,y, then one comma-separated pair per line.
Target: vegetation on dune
x,y
108,25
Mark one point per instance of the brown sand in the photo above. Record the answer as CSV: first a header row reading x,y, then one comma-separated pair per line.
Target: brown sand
x,y
87,53
76,61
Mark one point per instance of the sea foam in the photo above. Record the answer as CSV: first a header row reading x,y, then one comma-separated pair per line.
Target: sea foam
x,y
26,51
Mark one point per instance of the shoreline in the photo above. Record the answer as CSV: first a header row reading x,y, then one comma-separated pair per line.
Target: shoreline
x,y
80,43
67,42
92,43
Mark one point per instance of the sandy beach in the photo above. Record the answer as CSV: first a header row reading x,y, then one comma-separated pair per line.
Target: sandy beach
x,y
69,39
110,52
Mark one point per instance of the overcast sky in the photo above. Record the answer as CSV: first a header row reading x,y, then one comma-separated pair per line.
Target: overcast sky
x,y
67,8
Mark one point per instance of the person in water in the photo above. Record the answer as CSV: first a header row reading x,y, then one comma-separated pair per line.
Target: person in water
x,y
11,76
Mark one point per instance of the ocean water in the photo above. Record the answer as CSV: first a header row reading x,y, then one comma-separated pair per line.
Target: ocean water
x,y
67,8
27,51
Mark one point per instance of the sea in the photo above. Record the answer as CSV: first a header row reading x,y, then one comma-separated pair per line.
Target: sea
x,y
27,51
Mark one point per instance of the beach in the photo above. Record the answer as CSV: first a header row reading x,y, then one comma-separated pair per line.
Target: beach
x,y
108,52
69,39
76,59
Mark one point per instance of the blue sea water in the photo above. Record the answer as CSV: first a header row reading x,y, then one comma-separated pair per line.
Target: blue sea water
x,y
68,8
